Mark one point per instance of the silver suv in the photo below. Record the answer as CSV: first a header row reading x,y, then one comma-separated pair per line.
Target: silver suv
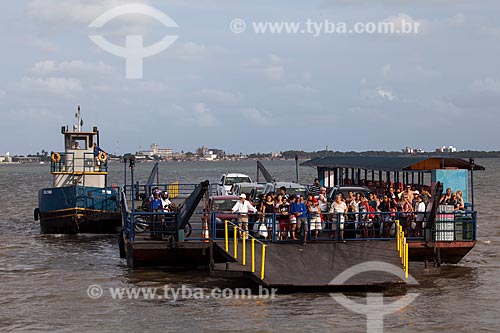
x,y
344,191
291,188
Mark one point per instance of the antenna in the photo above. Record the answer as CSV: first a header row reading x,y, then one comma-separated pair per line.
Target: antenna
x,y
78,117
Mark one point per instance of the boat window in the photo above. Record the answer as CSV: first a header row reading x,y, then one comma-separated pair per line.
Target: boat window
x,y
78,143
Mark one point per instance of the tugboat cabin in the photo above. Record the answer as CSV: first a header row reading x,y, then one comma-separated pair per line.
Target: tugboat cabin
x,y
80,163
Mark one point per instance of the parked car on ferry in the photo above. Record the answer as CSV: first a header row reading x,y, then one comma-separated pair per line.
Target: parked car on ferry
x,y
254,189
228,180
222,206
291,188
344,191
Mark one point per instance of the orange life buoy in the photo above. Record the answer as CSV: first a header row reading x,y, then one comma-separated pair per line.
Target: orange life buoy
x,y
102,157
55,157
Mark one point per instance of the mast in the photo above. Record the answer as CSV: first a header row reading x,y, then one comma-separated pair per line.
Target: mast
x,y
79,120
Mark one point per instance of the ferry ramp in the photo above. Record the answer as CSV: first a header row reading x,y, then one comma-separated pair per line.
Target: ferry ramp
x,y
318,263
314,264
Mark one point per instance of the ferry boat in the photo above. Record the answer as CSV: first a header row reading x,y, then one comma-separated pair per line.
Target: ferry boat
x,y
80,200
449,234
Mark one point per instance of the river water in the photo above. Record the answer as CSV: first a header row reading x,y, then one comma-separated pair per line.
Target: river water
x,y
44,279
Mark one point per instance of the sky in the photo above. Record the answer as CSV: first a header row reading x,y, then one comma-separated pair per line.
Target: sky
x,y
253,92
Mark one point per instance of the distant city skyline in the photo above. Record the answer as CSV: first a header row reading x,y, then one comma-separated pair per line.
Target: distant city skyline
x,y
244,91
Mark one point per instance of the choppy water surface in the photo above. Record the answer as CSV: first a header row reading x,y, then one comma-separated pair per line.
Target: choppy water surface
x,y
44,279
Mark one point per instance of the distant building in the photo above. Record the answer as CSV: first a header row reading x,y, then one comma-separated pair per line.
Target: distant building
x,y
6,158
145,153
202,151
164,153
276,155
219,152
408,150
445,149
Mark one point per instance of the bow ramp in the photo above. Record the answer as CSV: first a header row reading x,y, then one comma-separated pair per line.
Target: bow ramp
x,y
314,264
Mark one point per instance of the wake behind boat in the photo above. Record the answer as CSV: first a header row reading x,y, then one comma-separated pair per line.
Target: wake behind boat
x,y
80,200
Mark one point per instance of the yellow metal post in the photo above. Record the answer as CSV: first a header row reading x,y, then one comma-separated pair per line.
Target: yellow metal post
x,y
244,249
406,260
253,255
398,235
263,263
404,247
226,236
235,243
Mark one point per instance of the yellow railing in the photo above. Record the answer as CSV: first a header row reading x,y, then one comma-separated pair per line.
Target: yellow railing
x,y
244,236
173,190
402,246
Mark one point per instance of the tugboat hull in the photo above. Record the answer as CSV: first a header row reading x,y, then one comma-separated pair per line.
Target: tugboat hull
x,y
78,209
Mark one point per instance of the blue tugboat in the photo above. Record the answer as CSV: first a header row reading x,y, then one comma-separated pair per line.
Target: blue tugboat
x,y
80,200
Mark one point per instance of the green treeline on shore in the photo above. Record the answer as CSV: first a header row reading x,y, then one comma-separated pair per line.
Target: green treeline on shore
x,y
290,154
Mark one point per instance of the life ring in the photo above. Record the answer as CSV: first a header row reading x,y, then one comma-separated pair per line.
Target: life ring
x,y
102,157
55,157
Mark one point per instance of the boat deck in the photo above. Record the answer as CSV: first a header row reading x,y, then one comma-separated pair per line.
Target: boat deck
x,y
314,264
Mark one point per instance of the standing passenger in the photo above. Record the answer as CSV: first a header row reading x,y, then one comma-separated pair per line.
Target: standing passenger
x,y
299,209
338,209
420,211
268,208
315,218
284,219
323,204
156,206
242,207
314,189
293,218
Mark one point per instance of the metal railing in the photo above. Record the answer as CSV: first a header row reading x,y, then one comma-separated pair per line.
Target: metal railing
x,y
175,189
68,163
402,247
244,236
162,225
454,226
353,226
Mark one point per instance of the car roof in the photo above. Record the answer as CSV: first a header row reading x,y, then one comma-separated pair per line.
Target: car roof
x,y
352,187
249,184
288,185
236,175
224,197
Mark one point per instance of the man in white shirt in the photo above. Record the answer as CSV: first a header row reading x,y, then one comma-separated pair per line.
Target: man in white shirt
x,y
242,207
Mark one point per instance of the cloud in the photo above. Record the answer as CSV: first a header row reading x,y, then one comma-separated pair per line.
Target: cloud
x,y
405,24
193,51
256,117
218,96
45,45
53,85
202,115
77,11
386,69
70,67
270,67
386,93
293,88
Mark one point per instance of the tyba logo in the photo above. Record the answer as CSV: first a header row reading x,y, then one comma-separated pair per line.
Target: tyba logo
x,y
375,309
134,52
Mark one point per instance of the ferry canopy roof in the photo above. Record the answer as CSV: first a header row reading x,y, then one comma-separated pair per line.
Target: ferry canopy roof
x,y
391,163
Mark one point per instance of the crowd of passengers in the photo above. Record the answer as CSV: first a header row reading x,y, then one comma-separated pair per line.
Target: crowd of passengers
x,y
371,217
